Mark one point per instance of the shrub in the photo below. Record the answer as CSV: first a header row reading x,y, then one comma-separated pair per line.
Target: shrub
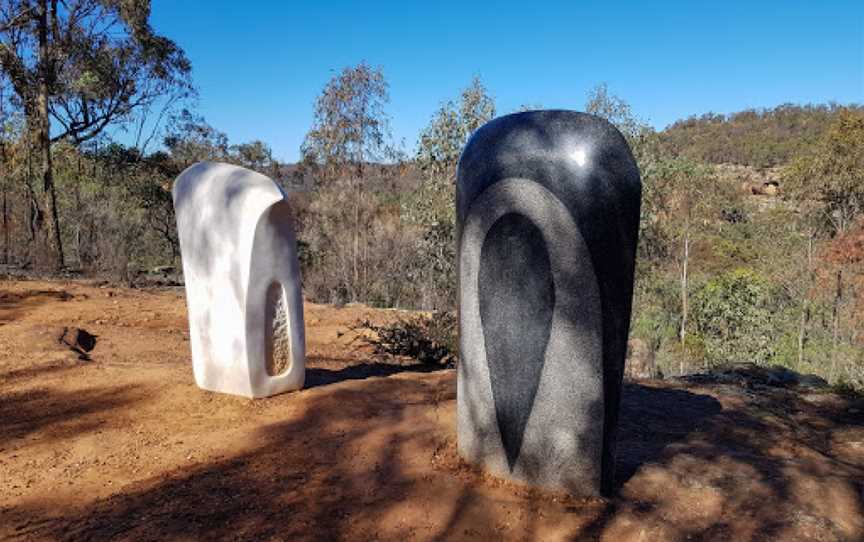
x,y
355,248
430,339
733,316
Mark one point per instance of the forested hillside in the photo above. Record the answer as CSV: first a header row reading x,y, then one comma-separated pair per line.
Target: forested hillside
x,y
754,137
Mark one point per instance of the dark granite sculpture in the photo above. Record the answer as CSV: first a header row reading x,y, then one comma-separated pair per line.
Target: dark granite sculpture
x,y
547,205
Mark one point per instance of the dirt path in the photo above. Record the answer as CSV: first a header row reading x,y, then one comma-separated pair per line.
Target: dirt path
x,y
126,447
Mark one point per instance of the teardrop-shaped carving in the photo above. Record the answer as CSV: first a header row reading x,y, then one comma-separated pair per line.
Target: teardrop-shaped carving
x,y
517,297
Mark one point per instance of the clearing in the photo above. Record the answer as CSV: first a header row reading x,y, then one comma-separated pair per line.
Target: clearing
x,y
127,447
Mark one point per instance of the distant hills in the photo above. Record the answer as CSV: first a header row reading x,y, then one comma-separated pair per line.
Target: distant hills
x,y
760,138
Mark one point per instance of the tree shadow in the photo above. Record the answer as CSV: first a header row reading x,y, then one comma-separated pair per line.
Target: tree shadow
x,y
653,418
13,305
302,482
66,413
769,464
375,459
36,371
754,466
319,376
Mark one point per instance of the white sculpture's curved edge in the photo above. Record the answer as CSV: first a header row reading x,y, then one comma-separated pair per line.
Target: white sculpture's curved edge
x,y
274,253
235,231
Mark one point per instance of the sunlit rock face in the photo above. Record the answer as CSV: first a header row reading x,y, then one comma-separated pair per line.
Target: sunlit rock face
x,y
242,281
547,207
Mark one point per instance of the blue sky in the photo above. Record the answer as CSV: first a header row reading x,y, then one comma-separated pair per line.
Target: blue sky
x,y
259,65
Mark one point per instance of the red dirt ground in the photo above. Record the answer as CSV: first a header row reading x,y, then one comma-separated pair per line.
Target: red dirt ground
x,y
126,447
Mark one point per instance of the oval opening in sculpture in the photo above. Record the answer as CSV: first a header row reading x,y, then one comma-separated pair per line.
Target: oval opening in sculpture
x,y
278,336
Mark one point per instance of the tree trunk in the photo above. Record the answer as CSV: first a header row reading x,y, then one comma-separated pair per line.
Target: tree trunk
x,y
79,216
835,333
356,252
6,179
32,218
48,206
802,334
5,228
685,305
357,212
34,213
805,309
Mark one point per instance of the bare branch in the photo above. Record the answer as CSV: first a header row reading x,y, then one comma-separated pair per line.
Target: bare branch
x,y
17,20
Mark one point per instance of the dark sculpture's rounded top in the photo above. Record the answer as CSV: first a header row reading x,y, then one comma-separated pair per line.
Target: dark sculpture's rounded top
x,y
577,156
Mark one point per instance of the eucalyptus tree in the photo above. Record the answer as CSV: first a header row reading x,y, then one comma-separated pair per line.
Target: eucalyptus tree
x,y
191,139
256,155
350,127
78,67
441,141
604,104
831,173
350,131
432,207
679,204
827,183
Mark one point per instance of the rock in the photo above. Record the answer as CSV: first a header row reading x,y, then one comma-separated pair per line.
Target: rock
x,y
751,375
640,360
80,341
812,381
548,213
166,275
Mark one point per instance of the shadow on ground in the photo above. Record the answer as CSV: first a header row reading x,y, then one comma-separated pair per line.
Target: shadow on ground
x,y
59,416
319,376
375,459
651,419
13,305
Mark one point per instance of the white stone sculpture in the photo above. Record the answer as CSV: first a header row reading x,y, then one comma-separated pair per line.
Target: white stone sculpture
x,y
242,281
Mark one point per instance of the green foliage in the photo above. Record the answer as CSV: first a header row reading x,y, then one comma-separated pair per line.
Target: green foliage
x,y
758,138
357,246
832,173
678,201
77,67
118,214
431,208
732,315
103,64
602,103
441,142
656,312
190,139
352,223
350,126
734,244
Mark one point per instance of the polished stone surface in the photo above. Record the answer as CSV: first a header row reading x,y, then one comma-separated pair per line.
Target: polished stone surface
x,y
548,215
242,276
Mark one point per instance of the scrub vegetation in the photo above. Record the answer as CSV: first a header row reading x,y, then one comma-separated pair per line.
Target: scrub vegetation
x,y
752,228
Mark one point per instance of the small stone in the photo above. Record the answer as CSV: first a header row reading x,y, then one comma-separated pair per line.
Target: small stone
x,y
78,340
